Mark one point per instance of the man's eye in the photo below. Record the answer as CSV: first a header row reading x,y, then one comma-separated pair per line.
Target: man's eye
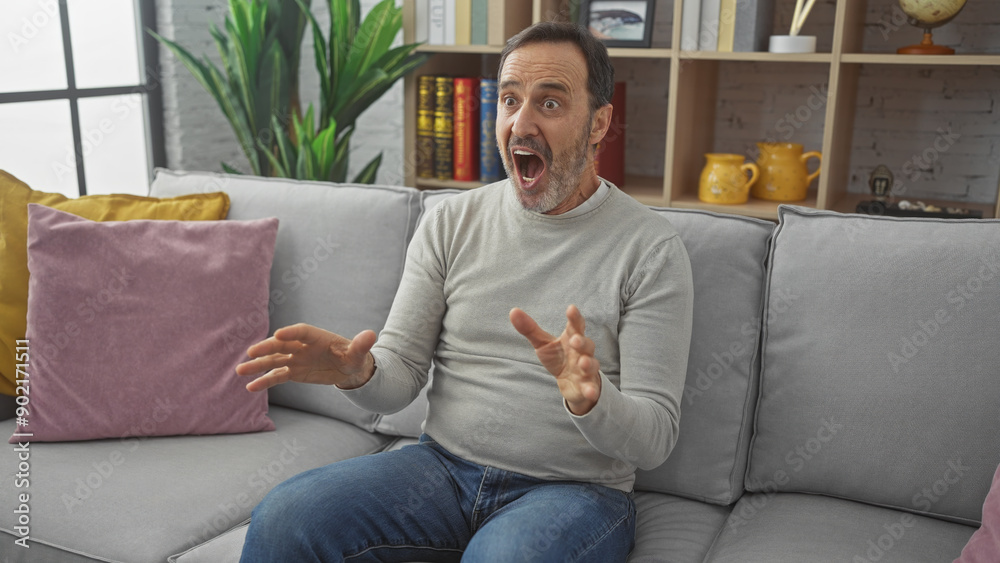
x,y
508,101
550,104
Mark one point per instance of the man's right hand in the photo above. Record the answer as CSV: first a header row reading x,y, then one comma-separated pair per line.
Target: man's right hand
x,y
308,354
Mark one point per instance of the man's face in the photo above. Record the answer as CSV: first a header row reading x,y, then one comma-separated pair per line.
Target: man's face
x,y
545,126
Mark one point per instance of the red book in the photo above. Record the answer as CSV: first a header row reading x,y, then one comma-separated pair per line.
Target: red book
x,y
466,135
610,159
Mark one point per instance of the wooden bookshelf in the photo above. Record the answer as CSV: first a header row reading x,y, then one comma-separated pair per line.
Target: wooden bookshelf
x,y
692,98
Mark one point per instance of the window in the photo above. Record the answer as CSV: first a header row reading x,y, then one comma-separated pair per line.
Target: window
x,y
80,103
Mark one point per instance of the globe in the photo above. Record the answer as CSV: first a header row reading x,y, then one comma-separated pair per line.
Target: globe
x,y
928,14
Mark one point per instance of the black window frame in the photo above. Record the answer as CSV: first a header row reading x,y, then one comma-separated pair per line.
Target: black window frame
x,y
149,87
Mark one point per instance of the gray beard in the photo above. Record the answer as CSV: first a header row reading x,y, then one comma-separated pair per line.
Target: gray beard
x,y
563,178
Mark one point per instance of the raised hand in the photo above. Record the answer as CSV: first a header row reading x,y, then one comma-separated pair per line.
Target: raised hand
x,y
570,358
308,354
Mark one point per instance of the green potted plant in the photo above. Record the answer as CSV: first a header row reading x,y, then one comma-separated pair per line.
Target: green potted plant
x,y
257,86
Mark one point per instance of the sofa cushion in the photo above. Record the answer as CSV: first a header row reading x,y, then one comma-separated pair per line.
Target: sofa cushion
x,y
169,493
139,319
880,351
338,261
727,256
791,528
14,199
674,529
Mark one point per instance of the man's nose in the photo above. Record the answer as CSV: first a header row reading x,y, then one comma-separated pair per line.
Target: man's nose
x,y
525,124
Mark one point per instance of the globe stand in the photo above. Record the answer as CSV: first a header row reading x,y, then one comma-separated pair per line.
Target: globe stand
x,y
926,47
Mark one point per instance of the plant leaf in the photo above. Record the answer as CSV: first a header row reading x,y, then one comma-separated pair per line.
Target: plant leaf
x,y
368,173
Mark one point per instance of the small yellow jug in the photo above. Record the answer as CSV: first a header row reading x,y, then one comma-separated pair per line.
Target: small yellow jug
x,y
783,172
724,178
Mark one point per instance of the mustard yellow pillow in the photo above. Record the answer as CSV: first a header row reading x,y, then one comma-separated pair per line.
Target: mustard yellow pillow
x,y
15,196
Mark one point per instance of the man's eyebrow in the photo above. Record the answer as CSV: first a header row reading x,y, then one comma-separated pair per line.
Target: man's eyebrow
x,y
557,86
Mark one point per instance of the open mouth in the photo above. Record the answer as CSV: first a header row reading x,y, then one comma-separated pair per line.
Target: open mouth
x,y
529,166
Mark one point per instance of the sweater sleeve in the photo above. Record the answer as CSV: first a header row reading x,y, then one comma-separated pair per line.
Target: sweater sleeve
x,y
638,422
406,345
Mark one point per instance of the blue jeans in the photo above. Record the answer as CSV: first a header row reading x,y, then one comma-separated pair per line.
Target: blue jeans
x,y
421,503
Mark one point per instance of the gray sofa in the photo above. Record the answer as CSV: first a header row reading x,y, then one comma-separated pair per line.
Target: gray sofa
x,y
841,400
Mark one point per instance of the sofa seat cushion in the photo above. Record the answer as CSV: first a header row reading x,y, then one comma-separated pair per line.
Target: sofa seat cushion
x,y
674,529
169,493
337,264
790,527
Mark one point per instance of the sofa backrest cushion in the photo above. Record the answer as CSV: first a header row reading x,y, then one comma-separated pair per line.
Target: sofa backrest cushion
x,y
879,362
727,256
337,264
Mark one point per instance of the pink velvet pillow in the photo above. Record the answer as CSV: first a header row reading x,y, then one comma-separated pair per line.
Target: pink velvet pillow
x,y
984,545
135,327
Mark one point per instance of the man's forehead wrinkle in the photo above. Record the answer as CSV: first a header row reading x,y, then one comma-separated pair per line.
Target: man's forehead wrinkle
x,y
557,74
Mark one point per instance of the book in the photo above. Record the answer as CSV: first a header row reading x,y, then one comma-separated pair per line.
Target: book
x,y
443,126
490,167
425,126
708,30
435,22
450,6
610,157
466,129
754,22
690,25
463,22
727,25
480,23
421,23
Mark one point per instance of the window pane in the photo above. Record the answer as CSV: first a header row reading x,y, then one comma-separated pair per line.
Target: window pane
x,y
105,44
113,131
37,146
31,52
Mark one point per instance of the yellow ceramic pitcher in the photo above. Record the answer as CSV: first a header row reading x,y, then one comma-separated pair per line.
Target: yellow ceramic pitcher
x,y
724,178
783,172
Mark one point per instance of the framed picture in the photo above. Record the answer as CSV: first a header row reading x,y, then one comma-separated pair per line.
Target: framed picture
x,y
619,23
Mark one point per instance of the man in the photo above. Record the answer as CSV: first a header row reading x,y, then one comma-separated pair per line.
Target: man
x,y
531,440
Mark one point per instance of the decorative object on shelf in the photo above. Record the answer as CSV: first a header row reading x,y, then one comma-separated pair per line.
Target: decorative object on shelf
x,y
784,175
880,182
619,23
906,208
928,14
793,42
724,178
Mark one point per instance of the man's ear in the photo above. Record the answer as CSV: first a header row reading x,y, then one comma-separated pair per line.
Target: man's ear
x,y
601,122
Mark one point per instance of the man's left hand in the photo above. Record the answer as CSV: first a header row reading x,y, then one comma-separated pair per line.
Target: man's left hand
x,y
570,358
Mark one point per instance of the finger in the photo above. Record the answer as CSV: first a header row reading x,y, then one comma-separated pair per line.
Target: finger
x,y
575,321
272,346
360,345
528,328
583,345
263,364
268,380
